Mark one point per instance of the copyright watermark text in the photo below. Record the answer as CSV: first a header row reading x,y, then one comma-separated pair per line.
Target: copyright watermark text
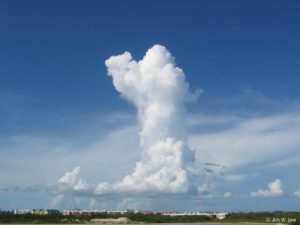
x,y
280,220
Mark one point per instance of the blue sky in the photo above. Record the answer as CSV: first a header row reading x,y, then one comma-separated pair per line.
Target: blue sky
x,y
59,110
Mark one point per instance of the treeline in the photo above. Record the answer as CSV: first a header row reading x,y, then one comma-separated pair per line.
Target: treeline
x,y
255,217
6,217
265,217
9,217
158,218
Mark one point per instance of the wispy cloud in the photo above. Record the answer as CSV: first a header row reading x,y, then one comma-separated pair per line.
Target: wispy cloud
x,y
234,177
212,120
251,140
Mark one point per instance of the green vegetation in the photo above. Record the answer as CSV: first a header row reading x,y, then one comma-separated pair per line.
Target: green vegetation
x,y
8,217
158,218
134,217
58,218
263,217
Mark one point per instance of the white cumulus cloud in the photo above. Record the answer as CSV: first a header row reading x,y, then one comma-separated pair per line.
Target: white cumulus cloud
x,y
158,90
297,194
227,194
205,190
274,190
70,178
68,183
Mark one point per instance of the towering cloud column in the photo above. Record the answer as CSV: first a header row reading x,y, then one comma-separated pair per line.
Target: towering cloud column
x,y
158,90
